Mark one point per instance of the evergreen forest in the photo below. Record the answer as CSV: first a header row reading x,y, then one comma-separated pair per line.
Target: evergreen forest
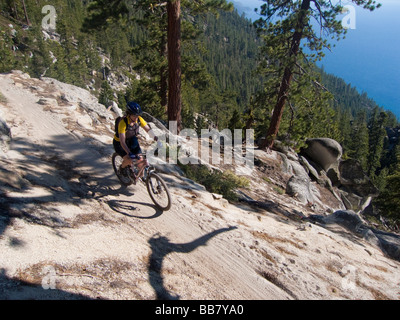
x,y
226,77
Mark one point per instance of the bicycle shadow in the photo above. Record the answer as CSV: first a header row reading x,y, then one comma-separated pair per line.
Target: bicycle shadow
x,y
161,246
123,206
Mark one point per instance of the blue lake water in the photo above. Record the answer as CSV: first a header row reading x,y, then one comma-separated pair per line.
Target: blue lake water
x,y
369,57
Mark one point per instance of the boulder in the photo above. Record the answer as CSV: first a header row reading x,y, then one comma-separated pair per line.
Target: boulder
x,y
5,135
346,218
48,102
97,108
76,95
319,176
389,243
300,185
4,128
334,175
286,150
85,121
300,188
324,151
116,109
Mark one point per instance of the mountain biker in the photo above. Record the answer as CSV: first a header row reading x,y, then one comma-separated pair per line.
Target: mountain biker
x,y
126,142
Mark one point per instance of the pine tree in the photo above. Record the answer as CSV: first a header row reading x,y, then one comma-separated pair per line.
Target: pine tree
x,y
359,142
106,94
152,51
28,22
283,38
6,57
236,122
174,62
389,200
111,10
41,61
377,135
59,69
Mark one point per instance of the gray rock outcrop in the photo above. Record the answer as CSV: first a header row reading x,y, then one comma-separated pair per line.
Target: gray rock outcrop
x,y
353,179
389,243
5,135
345,179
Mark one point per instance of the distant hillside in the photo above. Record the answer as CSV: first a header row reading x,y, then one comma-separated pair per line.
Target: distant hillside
x,y
347,96
232,54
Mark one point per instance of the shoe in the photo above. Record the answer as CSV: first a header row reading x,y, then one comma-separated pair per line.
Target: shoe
x,y
125,171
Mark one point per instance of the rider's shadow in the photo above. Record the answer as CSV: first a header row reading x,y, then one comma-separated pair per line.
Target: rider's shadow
x,y
123,207
160,248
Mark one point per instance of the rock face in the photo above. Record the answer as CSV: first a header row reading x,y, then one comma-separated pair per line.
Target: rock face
x,y
299,187
74,95
356,188
320,164
5,135
345,179
352,177
346,218
388,242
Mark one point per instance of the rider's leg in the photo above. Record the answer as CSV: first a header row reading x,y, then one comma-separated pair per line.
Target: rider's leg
x,y
133,145
118,149
127,161
141,164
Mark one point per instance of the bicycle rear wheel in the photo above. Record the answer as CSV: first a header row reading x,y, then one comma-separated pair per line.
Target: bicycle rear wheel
x,y
116,162
158,191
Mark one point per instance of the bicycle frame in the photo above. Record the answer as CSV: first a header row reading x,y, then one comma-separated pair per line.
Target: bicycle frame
x,y
146,168
147,174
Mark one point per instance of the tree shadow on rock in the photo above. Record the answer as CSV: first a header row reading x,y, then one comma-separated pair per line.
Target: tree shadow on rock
x,y
64,170
14,289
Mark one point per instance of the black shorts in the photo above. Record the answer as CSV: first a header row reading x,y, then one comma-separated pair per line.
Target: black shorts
x,y
133,145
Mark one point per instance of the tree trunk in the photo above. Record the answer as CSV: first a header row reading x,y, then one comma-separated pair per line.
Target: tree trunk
x,y
273,130
164,75
174,62
26,13
14,10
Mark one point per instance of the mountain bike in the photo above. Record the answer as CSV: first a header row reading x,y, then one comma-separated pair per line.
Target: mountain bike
x,y
156,186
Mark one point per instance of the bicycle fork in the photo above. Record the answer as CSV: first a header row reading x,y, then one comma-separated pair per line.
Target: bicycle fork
x,y
158,189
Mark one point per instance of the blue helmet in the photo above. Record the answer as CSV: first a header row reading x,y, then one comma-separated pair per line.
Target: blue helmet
x,y
134,108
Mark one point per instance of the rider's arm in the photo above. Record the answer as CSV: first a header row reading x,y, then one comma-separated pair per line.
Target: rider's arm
x,y
150,132
122,138
147,128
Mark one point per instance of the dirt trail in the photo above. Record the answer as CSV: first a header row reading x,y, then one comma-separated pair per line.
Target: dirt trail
x,y
68,230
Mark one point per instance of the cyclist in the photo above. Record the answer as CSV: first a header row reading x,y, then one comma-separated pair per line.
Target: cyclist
x,y
126,142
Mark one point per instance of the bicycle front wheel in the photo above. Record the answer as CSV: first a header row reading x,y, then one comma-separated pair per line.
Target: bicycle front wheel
x,y
158,191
